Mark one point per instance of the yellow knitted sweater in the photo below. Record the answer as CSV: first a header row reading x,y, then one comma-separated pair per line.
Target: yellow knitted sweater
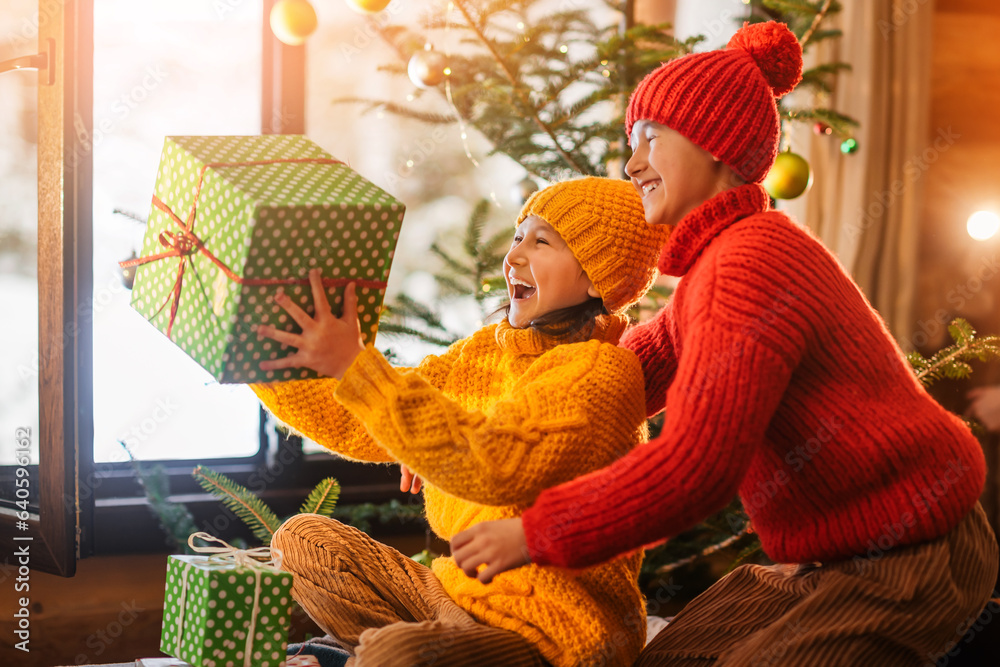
x,y
488,425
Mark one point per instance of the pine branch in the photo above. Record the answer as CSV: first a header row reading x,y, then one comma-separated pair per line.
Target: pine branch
x,y
952,361
840,123
747,552
398,109
129,214
799,7
707,551
474,230
497,244
260,518
174,518
454,288
449,261
815,24
827,69
570,162
322,499
400,330
821,35
408,307
361,516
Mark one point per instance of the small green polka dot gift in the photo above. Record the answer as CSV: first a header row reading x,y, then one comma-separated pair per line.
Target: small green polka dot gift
x,y
228,609
236,219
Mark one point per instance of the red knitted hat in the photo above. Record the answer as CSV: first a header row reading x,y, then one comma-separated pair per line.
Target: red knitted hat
x,y
724,101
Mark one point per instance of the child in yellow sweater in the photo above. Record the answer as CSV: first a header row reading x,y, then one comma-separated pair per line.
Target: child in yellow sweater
x,y
536,400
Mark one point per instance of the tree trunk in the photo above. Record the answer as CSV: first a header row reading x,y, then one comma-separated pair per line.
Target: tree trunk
x,y
654,11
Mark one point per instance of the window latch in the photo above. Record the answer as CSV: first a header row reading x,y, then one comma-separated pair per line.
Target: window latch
x,y
44,62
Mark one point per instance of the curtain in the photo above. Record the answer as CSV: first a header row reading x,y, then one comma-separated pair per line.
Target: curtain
x,y
866,206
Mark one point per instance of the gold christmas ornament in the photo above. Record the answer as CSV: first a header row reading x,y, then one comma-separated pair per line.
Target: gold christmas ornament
x,y
368,6
789,177
292,21
426,68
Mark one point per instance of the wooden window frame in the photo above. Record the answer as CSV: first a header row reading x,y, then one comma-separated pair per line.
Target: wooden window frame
x,y
65,107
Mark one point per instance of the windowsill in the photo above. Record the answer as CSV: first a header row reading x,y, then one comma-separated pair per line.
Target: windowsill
x,y
125,524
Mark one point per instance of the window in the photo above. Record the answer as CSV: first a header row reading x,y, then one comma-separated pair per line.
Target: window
x,y
164,67
161,68
54,42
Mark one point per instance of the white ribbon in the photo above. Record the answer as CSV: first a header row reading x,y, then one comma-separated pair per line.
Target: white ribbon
x,y
181,610
253,621
241,557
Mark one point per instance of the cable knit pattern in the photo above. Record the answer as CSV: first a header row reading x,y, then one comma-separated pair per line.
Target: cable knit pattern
x,y
499,417
781,383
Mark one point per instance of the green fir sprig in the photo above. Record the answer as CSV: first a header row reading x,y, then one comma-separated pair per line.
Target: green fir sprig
x,y
952,362
322,499
260,518
174,518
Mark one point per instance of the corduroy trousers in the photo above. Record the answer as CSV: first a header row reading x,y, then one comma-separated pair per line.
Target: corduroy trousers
x,y
906,606
385,608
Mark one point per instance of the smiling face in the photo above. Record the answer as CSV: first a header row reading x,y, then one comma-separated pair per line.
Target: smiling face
x,y
672,174
542,274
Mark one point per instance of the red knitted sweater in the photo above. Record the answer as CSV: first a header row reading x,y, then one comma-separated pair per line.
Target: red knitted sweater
x,y
781,383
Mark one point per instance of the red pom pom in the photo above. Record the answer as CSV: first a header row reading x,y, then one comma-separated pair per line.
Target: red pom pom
x,y
776,51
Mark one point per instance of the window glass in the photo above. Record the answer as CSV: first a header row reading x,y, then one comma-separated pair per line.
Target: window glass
x,y
18,231
161,67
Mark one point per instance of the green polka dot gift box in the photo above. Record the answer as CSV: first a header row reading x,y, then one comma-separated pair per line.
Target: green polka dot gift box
x,y
236,219
220,614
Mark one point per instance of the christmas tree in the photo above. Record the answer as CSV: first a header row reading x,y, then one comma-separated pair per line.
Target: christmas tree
x,y
549,90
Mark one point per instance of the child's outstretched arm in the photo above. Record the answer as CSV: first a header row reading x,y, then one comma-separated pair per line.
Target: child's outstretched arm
x,y
579,408
326,344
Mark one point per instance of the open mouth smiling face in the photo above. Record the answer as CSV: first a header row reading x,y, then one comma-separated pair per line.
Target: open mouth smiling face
x,y
542,274
519,289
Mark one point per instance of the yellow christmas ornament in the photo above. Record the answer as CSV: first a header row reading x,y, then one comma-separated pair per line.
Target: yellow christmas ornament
x,y
368,6
789,177
292,21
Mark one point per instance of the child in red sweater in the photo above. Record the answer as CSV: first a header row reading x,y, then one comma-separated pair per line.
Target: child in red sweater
x,y
782,384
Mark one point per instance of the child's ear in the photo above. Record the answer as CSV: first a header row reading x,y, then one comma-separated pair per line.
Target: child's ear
x,y
592,292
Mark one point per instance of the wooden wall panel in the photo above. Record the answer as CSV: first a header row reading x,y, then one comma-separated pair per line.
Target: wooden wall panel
x,y
958,276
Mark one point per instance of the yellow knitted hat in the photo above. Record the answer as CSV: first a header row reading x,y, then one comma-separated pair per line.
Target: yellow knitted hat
x,y
603,223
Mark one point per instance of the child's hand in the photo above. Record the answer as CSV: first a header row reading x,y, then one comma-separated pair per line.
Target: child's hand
x,y
327,344
408,481
500,545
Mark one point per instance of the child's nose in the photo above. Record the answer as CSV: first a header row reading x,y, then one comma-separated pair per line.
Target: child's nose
x,y
514,257
634,165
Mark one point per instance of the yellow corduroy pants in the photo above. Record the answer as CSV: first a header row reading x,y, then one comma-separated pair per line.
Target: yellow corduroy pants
x,y
384,607
907,606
